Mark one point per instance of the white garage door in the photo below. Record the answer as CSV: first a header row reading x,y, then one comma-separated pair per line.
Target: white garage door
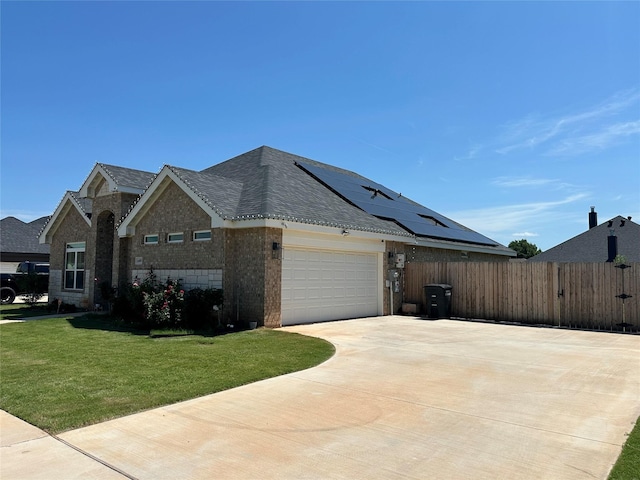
x,y
322,285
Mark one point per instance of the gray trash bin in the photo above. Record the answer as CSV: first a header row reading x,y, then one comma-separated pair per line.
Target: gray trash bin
x,y
438,300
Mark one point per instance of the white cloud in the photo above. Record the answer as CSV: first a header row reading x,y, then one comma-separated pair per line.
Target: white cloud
x,y
531,182
510,218
573,133
524,234
522,182
471,153
597,140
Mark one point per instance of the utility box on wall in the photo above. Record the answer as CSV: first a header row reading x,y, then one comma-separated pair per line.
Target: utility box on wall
x,y
400,260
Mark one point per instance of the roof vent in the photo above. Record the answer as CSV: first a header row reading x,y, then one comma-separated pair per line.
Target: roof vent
x,y
593,218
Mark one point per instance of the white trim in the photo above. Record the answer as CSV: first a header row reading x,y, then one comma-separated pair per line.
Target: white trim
x,y
288,226
175,234
46,236
297,238
149,236
195,232
88,189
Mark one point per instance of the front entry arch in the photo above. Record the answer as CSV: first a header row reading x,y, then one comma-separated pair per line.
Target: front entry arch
x,y
104,254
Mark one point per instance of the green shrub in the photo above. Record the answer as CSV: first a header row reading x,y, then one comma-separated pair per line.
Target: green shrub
x,y
199,312
163,305
149,303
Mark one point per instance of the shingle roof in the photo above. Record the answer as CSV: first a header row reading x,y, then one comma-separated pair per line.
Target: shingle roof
x,y
592,245
272,186
17,236
270,183
85,204
128,177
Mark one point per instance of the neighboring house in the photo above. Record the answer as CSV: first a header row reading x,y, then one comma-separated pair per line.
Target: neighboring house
x,y
289,239
601,243
19,243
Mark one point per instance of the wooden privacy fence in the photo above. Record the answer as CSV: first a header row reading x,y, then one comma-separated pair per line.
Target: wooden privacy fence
x,y
577,295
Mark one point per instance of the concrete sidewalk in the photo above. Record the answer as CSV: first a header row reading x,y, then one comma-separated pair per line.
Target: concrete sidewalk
x,y
402,398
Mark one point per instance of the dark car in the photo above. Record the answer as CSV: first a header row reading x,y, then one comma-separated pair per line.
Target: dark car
x,y
12,286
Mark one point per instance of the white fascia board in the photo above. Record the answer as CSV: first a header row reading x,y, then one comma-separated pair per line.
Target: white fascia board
x,y
330,241
443,244
88,187
307,227
61,211
159,184
87,190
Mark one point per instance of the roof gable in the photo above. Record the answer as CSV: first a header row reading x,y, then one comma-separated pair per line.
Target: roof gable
x,y
71,200
184,179
117,179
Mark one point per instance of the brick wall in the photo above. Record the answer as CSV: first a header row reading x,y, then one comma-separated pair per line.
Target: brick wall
x,y
175,212
73,229
429,254
104,247
252,280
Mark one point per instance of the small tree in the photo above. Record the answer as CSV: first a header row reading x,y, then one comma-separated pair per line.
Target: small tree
x,y
524,249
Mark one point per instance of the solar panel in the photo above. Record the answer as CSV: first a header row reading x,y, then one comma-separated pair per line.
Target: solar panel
x,y
377,200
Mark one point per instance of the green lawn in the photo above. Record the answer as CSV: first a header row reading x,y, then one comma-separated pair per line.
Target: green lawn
x,y
60,374
14,311
628,465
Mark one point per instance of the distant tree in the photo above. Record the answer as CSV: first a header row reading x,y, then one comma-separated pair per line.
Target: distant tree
x,y
524,249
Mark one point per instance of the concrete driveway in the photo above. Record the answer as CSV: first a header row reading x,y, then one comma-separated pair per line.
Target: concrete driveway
x,y
403,398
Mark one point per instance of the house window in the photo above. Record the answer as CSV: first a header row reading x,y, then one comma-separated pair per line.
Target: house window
x,y
151,239
74,266
175,237
202,235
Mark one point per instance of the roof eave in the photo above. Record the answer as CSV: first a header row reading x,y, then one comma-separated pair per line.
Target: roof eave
x,y
465,247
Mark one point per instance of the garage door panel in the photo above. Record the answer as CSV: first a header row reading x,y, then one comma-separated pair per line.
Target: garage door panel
x,y
320,285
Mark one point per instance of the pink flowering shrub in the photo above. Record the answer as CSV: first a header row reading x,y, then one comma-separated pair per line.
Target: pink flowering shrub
x,y
163,306
150,304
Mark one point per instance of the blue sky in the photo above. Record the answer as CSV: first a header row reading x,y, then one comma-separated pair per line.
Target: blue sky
x,y
512,118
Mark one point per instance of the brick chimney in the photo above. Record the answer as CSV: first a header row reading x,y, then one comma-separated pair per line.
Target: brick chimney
x,y
593,218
